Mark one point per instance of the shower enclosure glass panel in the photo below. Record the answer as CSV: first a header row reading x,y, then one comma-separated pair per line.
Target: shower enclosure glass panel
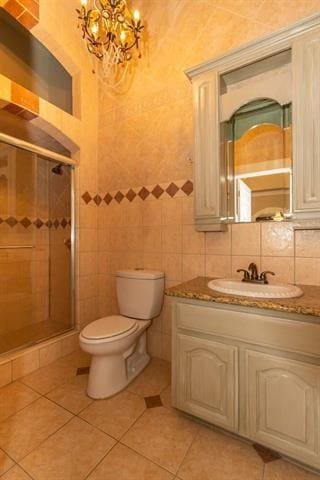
x,y
36,271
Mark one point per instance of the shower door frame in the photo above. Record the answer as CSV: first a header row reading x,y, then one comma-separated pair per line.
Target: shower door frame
x,y
57,157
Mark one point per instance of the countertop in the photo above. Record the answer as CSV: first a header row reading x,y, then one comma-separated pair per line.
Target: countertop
x,y
307,304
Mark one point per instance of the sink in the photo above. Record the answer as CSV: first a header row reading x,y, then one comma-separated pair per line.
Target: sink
x,y
237,287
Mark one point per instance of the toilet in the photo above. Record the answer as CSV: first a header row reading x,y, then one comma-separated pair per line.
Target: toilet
x,y
117,343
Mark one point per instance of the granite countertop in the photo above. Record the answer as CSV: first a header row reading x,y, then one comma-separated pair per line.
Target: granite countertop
x,y
307,304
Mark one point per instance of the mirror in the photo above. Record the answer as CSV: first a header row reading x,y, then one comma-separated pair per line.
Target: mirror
x,y
257,150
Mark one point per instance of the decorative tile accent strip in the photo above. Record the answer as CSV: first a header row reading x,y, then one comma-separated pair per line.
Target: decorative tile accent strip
x,y
19,111
266,454
152,402
83,370
163,190
25,11
36,222
23,97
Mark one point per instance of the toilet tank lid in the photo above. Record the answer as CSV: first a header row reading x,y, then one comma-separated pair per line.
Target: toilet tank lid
x,y
140,274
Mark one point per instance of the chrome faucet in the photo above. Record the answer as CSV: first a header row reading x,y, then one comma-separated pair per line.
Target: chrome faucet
x,y
251,275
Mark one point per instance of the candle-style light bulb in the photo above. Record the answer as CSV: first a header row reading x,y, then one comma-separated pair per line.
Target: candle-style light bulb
x,y
136,16
94,28
123,36
84,3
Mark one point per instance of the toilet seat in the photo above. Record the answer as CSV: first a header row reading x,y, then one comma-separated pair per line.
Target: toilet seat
x,y
108,327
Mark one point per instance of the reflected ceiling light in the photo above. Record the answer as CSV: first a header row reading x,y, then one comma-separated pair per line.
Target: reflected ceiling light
x,y
111,32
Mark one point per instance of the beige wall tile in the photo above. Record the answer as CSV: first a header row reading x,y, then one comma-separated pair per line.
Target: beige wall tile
x,y
172,211
50,353
69,344
151,213
5,373
152,261
307,243
152,239
218,243
283,267
277,239
246,239
172,239
307,271
193,266
192,241
25,364
172,266
188,211
218,266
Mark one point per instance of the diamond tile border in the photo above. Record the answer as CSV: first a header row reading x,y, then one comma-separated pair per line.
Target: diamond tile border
x,y
156,192
39,223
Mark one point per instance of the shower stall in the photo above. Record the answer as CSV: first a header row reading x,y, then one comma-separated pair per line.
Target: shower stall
x,y
36,244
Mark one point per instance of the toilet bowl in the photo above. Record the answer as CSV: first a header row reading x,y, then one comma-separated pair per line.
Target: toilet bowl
x,y
117,343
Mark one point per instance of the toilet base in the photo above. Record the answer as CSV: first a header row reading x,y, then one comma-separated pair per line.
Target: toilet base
x,y
110,375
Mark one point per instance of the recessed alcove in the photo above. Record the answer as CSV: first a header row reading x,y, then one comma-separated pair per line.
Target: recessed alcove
x,y
25,61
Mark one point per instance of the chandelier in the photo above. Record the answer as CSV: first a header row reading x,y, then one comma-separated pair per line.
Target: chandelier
x,y
111,33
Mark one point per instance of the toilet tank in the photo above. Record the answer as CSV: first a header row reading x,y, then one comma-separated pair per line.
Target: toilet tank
x,y
140,293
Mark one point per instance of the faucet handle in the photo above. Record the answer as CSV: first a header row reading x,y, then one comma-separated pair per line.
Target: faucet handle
x,y
246,274
263,275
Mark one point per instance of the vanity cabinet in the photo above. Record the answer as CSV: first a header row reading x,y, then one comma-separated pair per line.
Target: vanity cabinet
x,y
207,384
284,67
282,404
252,373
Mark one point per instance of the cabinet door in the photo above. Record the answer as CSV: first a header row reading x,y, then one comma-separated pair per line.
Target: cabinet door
x,y
207,381
306,123
207,174
282,404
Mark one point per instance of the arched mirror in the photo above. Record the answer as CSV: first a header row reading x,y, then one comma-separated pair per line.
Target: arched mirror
x,y
258,154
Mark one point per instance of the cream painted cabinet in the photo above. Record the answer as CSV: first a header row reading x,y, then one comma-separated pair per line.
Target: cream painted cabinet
x,y
282,404
256,374
306,122
207,171
283,67
208,379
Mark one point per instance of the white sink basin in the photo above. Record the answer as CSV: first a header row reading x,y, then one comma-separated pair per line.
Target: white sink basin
x,y
245,289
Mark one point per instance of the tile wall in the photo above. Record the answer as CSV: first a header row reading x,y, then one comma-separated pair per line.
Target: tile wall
x,y
146,137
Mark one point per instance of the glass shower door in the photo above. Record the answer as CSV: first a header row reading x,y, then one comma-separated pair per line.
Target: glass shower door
x,y
35,263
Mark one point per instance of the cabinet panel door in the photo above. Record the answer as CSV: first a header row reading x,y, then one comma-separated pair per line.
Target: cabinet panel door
x,y
282,404
306,121
207,172
207,384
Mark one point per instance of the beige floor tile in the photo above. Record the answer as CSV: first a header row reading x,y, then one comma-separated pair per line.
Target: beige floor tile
x,y
5,462
72,395
69,454
14,397
16,473
115,415
166,397
124,464
154,379
25,430
78,359
281,470
217,456
163,436
47,378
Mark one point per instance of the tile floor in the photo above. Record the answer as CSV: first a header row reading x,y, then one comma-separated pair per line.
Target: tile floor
x,y
50,430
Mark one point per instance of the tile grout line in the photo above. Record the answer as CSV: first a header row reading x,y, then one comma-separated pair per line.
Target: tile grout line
x,y
101,460
118,441
188,449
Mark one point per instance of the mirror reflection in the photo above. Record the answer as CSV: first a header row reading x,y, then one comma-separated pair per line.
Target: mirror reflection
x,y
259,161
